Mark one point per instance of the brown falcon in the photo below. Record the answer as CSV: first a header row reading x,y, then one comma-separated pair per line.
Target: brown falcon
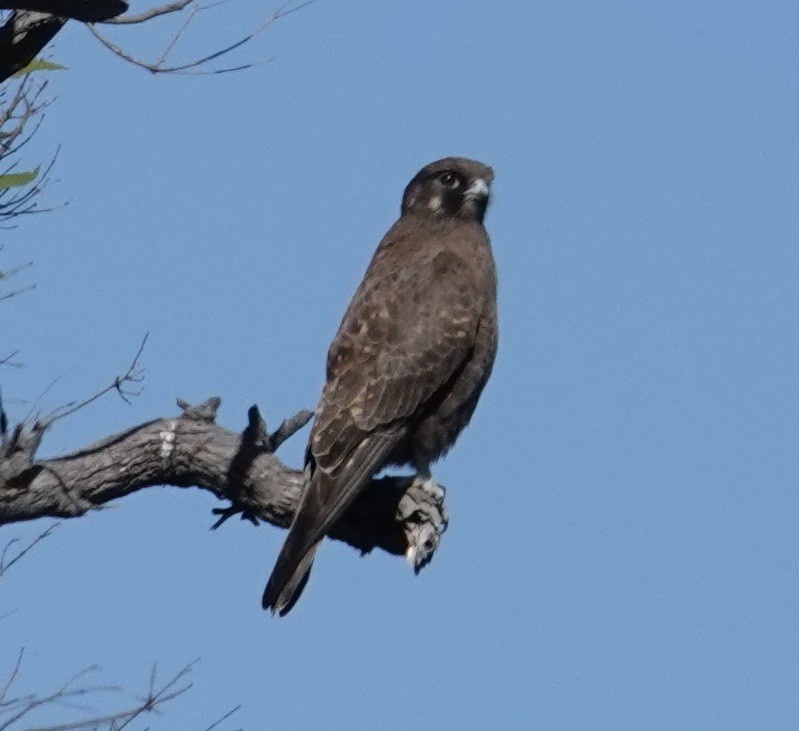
x,y
408,363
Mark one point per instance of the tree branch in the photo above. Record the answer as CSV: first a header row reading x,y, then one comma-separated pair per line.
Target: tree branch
x,y
134,374
34,23
7,561
197,65
20,709
150,13
396,514
22,110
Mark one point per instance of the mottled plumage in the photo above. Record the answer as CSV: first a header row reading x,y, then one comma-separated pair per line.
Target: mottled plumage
x,y
409,361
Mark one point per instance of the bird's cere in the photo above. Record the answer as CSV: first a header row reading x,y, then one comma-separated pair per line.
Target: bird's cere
x,y
478,189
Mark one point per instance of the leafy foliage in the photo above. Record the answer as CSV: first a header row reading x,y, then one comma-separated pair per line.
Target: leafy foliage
x,y
18,180
38,64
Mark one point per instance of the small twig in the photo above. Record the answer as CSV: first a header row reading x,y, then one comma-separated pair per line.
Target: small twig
x,y
6,564
164,695
12,677
22,114
224,718
169,46
21,707
193,66
288,428
154,699
256,437
134,374
157,69
9,361
16,292
39,398
256,432
149,14
8,273
26,202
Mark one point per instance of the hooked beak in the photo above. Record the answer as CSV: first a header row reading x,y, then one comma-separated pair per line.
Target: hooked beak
x,y
478,189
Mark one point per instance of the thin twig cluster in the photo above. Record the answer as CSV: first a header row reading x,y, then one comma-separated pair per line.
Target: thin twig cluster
x,y
18,709
22,106
191,10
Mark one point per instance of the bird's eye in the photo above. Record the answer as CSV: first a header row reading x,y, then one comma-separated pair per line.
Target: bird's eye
x,y
449,180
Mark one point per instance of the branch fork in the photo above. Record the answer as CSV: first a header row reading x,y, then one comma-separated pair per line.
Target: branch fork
x,y
397,514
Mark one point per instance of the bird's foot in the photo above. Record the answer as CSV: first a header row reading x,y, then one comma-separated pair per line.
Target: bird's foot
x,y
425,517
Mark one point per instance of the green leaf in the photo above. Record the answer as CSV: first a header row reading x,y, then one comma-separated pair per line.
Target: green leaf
x,y
17,180
39,64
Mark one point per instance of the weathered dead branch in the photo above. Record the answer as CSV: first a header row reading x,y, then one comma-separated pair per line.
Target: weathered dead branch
x,y
191,450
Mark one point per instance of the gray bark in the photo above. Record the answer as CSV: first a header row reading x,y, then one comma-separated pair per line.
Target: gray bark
x,y
190,450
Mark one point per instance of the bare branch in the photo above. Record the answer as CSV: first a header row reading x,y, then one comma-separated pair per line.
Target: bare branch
x,y
157,67
395,514
224,718
22,109
196,65
8,273
134,374
154,699
150,14
16,292
35,405
5,276
171,44
19,708
6,563
11,678
289,427
8,360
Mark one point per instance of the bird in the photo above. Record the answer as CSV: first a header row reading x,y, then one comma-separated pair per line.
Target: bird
x,y
411,357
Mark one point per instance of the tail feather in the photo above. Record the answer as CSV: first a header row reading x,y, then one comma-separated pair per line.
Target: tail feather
x,y
288,579
324,499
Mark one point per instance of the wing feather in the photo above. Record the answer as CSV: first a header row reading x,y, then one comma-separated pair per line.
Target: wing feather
x,y
410,327
384,366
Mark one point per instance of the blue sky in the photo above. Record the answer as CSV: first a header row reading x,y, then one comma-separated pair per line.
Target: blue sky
x,y
623,549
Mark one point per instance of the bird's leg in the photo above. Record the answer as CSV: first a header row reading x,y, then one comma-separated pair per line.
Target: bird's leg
x,y
424,478
422,510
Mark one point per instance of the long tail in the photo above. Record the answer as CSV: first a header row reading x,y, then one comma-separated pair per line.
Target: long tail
x,y
289,577
324,499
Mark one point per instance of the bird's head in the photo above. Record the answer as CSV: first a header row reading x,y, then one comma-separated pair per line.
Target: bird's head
x,y
454,186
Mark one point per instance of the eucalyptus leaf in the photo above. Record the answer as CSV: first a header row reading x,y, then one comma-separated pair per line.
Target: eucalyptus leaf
x,y
39,64
17,180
